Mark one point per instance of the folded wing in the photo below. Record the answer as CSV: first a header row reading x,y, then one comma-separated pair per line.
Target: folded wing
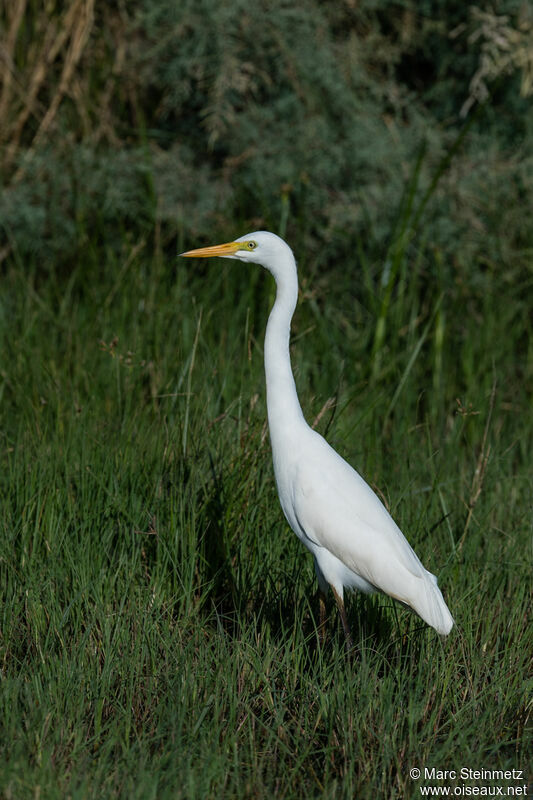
x,y
338,511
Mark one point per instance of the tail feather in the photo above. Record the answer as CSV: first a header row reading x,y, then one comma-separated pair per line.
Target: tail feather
x,y
432,607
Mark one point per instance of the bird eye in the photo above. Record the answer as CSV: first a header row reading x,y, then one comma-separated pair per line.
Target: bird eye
x,y
251,245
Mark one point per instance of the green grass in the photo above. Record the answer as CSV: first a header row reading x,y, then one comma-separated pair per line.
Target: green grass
x,y
158,635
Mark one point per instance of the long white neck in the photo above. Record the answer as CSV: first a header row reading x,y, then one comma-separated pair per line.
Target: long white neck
x,y
284,411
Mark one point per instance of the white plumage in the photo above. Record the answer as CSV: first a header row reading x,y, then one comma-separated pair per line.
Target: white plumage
x,y
354,540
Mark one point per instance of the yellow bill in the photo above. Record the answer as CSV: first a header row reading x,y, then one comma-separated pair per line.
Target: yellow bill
x,y
227,249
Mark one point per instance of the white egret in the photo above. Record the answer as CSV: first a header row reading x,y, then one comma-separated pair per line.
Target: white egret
x,y
336,515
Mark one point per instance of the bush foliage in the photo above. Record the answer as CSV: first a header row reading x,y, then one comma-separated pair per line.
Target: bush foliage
x,y
196,118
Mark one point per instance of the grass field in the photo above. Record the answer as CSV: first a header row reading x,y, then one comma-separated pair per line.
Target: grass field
x,y
158,618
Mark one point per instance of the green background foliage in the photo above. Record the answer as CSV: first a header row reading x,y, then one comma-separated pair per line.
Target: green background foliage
x,y
158,619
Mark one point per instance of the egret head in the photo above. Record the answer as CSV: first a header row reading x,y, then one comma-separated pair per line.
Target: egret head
x,y
259,247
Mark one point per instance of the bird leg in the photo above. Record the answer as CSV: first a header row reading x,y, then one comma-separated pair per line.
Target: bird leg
x,y
344,619
322,616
